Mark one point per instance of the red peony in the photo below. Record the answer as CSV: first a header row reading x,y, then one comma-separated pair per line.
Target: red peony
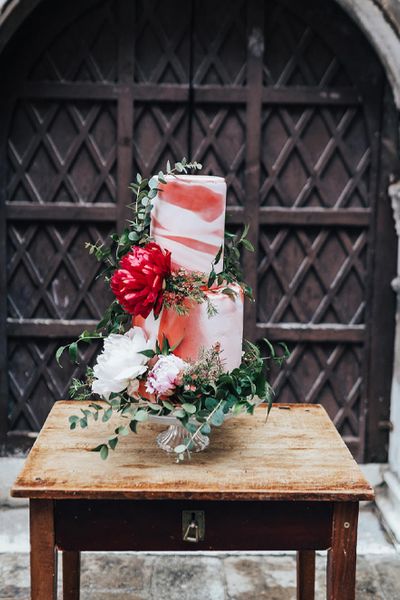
x,y
138,283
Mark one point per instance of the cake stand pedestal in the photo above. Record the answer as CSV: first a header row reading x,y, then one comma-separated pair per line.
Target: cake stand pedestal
x,y
176,435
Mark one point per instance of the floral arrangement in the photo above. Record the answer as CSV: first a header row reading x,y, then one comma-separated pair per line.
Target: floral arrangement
x,y
137,376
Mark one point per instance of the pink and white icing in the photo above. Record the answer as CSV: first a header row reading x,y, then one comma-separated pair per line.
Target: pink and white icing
x,y
196,330
188,219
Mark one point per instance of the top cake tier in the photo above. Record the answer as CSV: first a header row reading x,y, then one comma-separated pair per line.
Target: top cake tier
x,y
188,219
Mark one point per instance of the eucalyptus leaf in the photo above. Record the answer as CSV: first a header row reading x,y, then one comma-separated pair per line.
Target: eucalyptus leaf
x,y
59,354
168,405
73,352
112,442
218,417
211,403
179,449
104,452
140,415
179,412
218,255
148,353
122,430
191,427
153,182
206,429
107,415
97,448
248,245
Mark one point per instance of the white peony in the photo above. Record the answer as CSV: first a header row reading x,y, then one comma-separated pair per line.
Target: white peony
x,y
120,363
166,375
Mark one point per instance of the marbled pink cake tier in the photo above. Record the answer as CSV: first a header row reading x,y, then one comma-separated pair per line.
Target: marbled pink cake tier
x,y
197,330
188,219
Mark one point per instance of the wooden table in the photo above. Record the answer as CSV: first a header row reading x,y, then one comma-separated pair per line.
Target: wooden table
x,y
290,484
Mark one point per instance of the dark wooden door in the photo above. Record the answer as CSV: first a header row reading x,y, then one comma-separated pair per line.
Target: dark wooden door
x,y
268,94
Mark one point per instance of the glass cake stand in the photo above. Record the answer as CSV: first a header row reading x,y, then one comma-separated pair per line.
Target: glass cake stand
x,y
176,434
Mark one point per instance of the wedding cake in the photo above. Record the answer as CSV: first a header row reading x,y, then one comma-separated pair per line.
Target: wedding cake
x,y
188,220
172,338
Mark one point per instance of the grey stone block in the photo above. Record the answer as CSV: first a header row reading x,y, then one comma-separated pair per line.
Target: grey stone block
x,y
9,469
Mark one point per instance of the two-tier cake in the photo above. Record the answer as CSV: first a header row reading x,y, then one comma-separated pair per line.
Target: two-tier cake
x,y
188,220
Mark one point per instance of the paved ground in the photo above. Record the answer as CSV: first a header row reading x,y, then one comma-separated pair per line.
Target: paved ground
x,y
155,577
132,576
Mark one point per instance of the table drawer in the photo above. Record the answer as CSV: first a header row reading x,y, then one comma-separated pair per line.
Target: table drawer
x,y
157,525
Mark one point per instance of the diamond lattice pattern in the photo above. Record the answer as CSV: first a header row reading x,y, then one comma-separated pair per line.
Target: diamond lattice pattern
x,y
159,133
219,142
312,156
312,275
36,381
72,143
295,54
86,50
315,156
50,273
330,374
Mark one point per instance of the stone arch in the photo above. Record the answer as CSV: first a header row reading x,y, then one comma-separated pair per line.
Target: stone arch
x,y
375,22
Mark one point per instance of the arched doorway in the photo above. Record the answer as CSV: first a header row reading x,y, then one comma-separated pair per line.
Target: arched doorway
x,y
265,93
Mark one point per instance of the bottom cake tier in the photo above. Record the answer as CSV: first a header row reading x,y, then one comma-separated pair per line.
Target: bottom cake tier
x,y
196,330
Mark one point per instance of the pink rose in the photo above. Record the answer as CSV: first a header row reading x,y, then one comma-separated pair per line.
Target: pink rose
x,y
165,375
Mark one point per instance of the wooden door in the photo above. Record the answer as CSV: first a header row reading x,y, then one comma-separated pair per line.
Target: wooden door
x,y
267,94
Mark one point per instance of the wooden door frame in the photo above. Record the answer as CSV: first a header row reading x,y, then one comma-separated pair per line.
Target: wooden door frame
x,y
253,99
383,301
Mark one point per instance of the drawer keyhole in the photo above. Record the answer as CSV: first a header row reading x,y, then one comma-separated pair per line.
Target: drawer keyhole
x,y
192,531
193,526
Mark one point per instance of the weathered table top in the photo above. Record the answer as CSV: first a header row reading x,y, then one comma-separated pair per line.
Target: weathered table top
x,y
296,455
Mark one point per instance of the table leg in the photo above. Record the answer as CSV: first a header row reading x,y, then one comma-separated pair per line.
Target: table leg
x,y
305,575
341,574
43,550
71,562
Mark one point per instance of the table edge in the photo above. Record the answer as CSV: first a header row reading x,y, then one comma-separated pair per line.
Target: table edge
x,y
260,495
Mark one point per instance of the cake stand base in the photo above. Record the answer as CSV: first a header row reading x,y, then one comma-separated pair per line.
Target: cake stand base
x,y
175,435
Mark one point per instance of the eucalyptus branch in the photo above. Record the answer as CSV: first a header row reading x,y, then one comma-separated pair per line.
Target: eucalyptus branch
x,y
86,337
232,271
182,448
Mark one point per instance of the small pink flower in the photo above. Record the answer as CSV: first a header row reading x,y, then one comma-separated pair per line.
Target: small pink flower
x,y
166,375
190,388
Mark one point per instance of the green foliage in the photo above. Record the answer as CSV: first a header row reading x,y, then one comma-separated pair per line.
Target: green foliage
x,y
232,270
207,393
181,286
280,355
86,337
203,400
115,319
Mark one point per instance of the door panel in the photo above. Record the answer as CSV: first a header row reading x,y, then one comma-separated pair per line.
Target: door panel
x,y
267,94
